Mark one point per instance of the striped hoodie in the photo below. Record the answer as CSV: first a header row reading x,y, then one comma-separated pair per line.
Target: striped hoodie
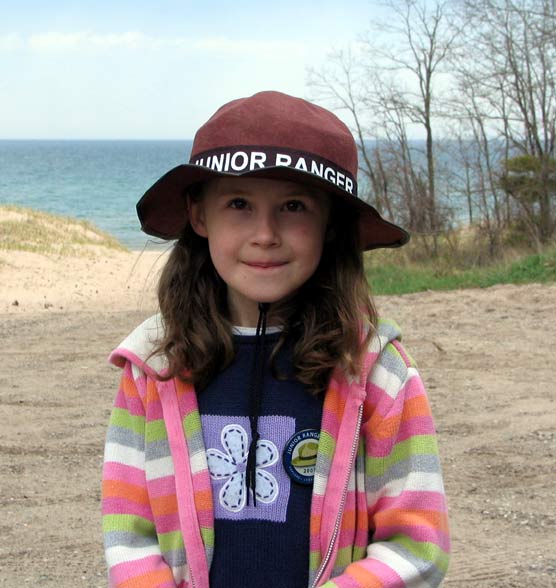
x,y
378,514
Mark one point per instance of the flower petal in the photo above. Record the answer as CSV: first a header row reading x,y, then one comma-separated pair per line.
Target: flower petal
x,y
267,487
220,465
267,453
233,495
235,442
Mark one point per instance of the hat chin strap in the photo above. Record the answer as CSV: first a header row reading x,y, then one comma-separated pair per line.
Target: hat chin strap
x,y
255,399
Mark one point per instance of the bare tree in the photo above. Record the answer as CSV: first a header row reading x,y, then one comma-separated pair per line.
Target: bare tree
x,y
508,82
389,89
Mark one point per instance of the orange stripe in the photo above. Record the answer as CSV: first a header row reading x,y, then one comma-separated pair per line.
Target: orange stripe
x,y
152,391
314,525
150,579
119,489
129,387
416,407
203,500
413,518
164,505
362,576
348,520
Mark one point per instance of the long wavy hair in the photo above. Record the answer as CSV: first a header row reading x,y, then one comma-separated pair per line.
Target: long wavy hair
x,y
329,321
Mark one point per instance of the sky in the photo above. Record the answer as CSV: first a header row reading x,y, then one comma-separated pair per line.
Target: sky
x,y
156,70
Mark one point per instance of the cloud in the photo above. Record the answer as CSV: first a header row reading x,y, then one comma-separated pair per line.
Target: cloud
x,y
133,40
53,40
11,42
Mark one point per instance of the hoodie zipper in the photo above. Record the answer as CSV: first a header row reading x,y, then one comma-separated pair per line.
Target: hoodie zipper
x,y
342,502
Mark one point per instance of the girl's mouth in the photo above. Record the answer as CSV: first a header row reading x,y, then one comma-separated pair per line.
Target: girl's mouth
x,y
265,264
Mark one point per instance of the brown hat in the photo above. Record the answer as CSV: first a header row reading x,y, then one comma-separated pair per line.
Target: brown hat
x,y
268,135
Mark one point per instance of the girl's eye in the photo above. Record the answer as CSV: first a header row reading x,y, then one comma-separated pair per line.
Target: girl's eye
x,y
238,203
295,206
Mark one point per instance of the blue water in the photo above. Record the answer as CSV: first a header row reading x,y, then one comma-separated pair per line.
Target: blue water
x,y
99,181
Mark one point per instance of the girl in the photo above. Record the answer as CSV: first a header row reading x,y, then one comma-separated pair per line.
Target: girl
x,y
269,430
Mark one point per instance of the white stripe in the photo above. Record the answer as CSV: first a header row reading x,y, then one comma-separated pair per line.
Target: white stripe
x,y
121,554
319,484
136,371
386,380
115,452
405,569
180,573
159,468
413,482
198,462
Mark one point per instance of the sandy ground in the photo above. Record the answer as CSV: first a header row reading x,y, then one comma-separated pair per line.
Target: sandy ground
x,y
487,357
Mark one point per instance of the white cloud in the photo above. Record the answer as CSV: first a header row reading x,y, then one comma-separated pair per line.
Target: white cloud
x,y
86,41
11,42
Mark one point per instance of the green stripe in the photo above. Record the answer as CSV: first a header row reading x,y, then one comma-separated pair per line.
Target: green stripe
x,y
192,423
424,550
170,541
155,431
121,418
327,444
416,445
208,536
129,523
314,559
344,557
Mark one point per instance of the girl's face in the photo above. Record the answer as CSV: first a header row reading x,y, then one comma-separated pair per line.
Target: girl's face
x,y
265,238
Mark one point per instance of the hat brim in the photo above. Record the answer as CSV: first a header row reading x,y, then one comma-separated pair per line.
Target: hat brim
x,y
163,213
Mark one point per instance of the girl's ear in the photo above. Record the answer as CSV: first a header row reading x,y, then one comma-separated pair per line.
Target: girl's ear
x,y
197,217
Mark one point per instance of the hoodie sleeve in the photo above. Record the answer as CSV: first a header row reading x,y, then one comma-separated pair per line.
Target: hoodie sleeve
x,y
409,538
132,550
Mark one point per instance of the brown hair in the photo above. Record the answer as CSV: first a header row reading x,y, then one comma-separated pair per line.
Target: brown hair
x,y
330,320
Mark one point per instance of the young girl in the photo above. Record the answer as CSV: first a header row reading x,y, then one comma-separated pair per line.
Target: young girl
x,y
269,430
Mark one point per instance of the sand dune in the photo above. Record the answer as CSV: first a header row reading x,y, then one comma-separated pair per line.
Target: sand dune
x,y
487,357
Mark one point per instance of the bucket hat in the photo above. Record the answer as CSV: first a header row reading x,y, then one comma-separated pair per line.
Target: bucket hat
x,y
268,135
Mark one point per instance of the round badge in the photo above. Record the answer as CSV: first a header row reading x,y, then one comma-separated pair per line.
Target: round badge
x,y
300,456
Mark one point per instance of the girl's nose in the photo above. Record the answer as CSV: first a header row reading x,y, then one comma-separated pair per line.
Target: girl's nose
x,y
266,231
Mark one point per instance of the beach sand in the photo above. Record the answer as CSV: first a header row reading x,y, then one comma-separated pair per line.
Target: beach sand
x,y
487,358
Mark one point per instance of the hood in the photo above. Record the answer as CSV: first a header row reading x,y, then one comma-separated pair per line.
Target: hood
x,y
139,345
387,331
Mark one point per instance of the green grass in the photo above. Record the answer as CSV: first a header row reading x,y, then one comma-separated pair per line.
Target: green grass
x,y
24,229
391,279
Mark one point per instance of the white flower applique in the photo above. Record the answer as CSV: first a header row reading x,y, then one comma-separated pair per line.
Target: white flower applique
x,y
230,466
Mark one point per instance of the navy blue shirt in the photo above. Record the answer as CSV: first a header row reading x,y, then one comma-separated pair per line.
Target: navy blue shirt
x,y
266,544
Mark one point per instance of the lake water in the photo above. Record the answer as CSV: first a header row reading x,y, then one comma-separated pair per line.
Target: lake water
x,y
99,181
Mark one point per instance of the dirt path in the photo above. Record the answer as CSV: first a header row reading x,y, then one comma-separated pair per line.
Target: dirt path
x,y
487,357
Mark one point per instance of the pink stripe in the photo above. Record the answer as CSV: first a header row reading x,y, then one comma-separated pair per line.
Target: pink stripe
x,y
120,472
162,487
168,523
409,500
421,425
132,404
384,573
417,533
123,572
119,356
126,506
345,581
154,410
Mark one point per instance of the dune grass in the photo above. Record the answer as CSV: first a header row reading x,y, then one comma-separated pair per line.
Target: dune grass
x,y
460,264
25,229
